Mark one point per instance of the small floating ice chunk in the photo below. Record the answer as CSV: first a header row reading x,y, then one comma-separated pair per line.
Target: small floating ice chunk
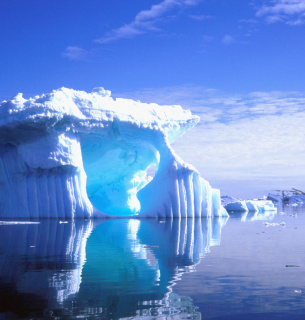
x,y
298,291
274,224
292,266
18,222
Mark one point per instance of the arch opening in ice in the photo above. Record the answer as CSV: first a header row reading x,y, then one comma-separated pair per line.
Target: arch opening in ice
x,y
116,171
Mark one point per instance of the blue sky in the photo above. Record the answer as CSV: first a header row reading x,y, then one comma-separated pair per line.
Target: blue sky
x,y
237,46
229,61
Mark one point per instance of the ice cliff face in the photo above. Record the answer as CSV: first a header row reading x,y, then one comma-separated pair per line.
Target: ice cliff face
x,y
72,154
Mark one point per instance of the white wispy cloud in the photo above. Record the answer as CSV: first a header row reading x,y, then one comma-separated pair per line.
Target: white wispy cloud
x,y
228,39
145,20
200,17
214,105
76,54
291,12
257,137
250,21
207,39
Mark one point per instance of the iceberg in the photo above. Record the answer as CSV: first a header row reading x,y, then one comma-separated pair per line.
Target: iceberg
x,y
293,197
235,205
72,154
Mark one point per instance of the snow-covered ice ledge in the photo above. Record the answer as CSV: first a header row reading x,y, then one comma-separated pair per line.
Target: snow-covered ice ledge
x,y
72,154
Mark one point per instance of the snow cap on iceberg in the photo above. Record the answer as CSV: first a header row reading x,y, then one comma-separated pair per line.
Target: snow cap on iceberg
x,y
71,154
85,111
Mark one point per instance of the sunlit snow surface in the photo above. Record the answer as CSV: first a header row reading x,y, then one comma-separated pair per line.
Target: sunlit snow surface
x,y
72,154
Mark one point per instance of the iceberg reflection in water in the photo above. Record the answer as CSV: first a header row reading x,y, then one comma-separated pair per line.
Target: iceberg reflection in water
x,y
254,215
106,268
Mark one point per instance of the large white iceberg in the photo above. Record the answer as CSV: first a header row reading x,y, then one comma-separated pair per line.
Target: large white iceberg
x,y
72,154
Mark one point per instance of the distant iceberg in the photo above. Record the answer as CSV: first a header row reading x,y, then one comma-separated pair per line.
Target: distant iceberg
x,y
236,205
72,154
292,197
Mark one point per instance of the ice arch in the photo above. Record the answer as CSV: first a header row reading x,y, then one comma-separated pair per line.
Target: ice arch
x,y
72,154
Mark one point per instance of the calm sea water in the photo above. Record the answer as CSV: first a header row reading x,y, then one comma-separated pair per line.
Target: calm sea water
x,y
245,267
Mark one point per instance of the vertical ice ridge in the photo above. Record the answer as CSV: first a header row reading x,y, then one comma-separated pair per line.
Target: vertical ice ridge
x,y
206,206
183,208
52,196
13,187
7,161
187,195
197,195
36,194
77,196
189,190
175,196
32,196
59,197
45,205
65,195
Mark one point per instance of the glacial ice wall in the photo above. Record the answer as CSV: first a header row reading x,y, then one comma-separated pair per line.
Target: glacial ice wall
x,y
72,154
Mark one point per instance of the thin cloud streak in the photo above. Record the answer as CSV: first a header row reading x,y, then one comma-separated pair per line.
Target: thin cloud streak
x,y
225,107
227,39
199,17
145,20
76,54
